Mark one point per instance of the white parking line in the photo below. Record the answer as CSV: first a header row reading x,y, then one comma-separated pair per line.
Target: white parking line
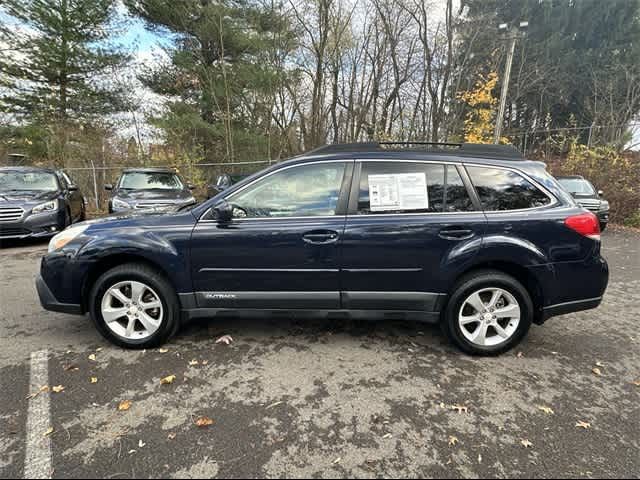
x,y
37,462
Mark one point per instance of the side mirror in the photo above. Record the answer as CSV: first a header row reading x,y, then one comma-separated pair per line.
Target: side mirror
x,y
600,193
108,186
73,188
223,211
191,186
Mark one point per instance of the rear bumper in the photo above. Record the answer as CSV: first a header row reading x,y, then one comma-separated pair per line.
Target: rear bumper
x,y
49,301
569,307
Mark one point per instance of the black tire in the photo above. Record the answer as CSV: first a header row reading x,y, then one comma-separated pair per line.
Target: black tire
x,y
476,281
68,219
603,226
152,278
83,214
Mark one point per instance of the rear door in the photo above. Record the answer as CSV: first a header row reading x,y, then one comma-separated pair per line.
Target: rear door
x,y
411,226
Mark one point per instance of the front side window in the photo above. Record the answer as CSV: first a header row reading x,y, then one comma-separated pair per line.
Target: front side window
x,y
303,191
500,189
28,181
411,187
150,181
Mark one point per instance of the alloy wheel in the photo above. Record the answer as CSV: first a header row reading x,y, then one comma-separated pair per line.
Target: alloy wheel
x,y
489,317
132,310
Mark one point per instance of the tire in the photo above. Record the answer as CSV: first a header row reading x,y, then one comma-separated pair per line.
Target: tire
x,y
511,294
83,214
603,226
157,289
68,219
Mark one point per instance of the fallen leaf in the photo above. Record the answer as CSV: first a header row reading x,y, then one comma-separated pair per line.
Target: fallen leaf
x,y
92,357
70,368
226,339
163,350
94,380
130,452
204,422
167,380
337,460
596,371
98,349
141,444
43,389
57,389
453,441
388,435
124,405
599,364
636,383
582,424
205,362
193,363
460,408
479,458
526,443
547,410
520,355
48,432
171,436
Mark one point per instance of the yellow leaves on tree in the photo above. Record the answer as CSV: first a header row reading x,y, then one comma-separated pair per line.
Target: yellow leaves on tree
x,y
480,120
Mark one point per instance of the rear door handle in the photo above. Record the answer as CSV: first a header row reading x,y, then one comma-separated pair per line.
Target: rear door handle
x,y
317,237
456,233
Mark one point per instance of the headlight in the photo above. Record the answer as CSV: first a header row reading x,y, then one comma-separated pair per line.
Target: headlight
x,y
46,207
64,237
120,204
604,205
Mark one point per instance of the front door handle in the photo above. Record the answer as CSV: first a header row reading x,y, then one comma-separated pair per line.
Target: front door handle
x,y
456,233
318,237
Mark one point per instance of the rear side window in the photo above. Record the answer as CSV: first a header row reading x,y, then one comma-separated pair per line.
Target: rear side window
x,y
505,190
411,187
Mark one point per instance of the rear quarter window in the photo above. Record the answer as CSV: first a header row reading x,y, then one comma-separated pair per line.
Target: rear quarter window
x,y
501,190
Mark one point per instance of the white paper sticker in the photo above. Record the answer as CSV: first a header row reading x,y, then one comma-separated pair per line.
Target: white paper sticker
x,y
399,191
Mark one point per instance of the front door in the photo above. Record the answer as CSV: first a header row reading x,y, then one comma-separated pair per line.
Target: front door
x,y
282,248
411,225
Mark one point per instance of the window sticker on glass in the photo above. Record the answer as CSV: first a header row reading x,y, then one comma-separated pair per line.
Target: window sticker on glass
x,y
400,191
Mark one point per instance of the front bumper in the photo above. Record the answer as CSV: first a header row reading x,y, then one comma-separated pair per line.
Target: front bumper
x,y
49,301
41,225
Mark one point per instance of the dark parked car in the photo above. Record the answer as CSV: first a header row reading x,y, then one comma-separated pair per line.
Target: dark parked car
x,y
223,182
478,239
149,188
37,202
586,196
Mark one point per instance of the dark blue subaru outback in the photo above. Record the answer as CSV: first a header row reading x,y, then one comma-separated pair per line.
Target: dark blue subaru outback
x,y
471,236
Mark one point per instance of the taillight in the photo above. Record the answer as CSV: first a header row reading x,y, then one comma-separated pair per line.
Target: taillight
x,y
586,224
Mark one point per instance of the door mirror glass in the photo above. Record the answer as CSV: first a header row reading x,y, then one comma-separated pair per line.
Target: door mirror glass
x,y
600,193
108,186
73,188
191,186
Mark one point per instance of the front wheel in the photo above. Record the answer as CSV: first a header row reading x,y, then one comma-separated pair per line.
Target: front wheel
x,y
488,313
134,306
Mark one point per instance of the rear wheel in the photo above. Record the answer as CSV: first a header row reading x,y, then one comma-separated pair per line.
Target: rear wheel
x,y
134,306
488,313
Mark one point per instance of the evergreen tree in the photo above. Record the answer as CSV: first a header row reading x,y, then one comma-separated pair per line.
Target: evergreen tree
x,y
219,79
57,53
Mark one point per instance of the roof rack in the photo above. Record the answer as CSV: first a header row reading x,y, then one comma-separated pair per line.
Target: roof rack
x,y
467,149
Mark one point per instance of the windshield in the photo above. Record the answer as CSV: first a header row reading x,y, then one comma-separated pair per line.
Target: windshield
x,y
577,186
150,181
28,181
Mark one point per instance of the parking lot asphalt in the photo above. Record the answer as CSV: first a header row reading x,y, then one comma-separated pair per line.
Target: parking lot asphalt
x,y
292,398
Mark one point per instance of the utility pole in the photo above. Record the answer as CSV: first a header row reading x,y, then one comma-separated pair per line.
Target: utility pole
x,y
513,34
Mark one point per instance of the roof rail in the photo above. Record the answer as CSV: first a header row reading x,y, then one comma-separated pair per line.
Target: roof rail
x,y
467,149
